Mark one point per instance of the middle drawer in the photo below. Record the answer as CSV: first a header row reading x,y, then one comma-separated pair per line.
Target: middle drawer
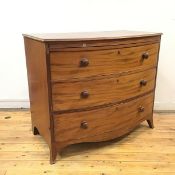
x,y
73,94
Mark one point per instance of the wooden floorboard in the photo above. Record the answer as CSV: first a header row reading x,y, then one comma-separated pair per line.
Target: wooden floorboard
x,y
144,151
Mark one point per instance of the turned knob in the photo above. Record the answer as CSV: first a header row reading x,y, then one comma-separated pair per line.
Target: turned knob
x,y
143,82
84,62
145,55
84,125
141,109
84,94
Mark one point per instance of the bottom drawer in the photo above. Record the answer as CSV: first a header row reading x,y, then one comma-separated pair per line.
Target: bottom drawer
x,y
118,119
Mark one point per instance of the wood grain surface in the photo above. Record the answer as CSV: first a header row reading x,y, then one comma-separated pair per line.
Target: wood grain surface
x,y
73,77
102,44
143,151
121,34
66,65
38,87
67,95
104,123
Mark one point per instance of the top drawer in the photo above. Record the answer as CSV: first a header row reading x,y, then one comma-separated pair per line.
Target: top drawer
x,y
86,63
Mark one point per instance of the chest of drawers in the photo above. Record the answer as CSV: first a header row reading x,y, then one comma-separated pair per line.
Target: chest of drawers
x,y
90,87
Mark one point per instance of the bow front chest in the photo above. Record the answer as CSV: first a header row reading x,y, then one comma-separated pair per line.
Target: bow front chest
x,y
90,87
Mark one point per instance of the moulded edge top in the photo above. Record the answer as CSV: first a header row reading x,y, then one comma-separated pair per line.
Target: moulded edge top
x,y
122,34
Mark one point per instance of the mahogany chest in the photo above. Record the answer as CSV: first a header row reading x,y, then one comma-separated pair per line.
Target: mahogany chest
x,y
90,87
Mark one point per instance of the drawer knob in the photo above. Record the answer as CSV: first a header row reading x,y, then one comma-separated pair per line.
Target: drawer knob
x,y
84,94
84,125
145,55
143,82
84,62
141,109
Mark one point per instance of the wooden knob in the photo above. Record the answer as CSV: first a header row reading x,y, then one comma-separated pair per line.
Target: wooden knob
x,y
145,55
84,62
141,109
143,82
84,125
84,94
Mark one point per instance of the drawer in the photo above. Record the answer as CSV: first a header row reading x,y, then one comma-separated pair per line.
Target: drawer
x,y
118,119
74,94
67,65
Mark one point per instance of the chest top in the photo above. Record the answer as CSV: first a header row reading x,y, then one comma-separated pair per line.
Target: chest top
x,y
122,34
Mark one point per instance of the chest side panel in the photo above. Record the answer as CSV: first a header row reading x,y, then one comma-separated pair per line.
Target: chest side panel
x,y
38,86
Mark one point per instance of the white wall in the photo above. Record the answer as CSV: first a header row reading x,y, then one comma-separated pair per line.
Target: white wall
x,y
20,16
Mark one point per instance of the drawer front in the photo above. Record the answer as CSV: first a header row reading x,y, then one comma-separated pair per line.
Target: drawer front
x,y
84,94
118,119
80,64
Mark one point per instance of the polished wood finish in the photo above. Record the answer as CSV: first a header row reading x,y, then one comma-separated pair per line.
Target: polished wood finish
x,y
143,151
38,87
66,65
68,95
103,123
90,88
122,34
102,44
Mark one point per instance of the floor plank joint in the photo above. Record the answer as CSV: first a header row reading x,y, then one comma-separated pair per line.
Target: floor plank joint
x,y
144,151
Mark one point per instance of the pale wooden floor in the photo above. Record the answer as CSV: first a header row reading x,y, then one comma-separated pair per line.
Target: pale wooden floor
x,y
142,152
